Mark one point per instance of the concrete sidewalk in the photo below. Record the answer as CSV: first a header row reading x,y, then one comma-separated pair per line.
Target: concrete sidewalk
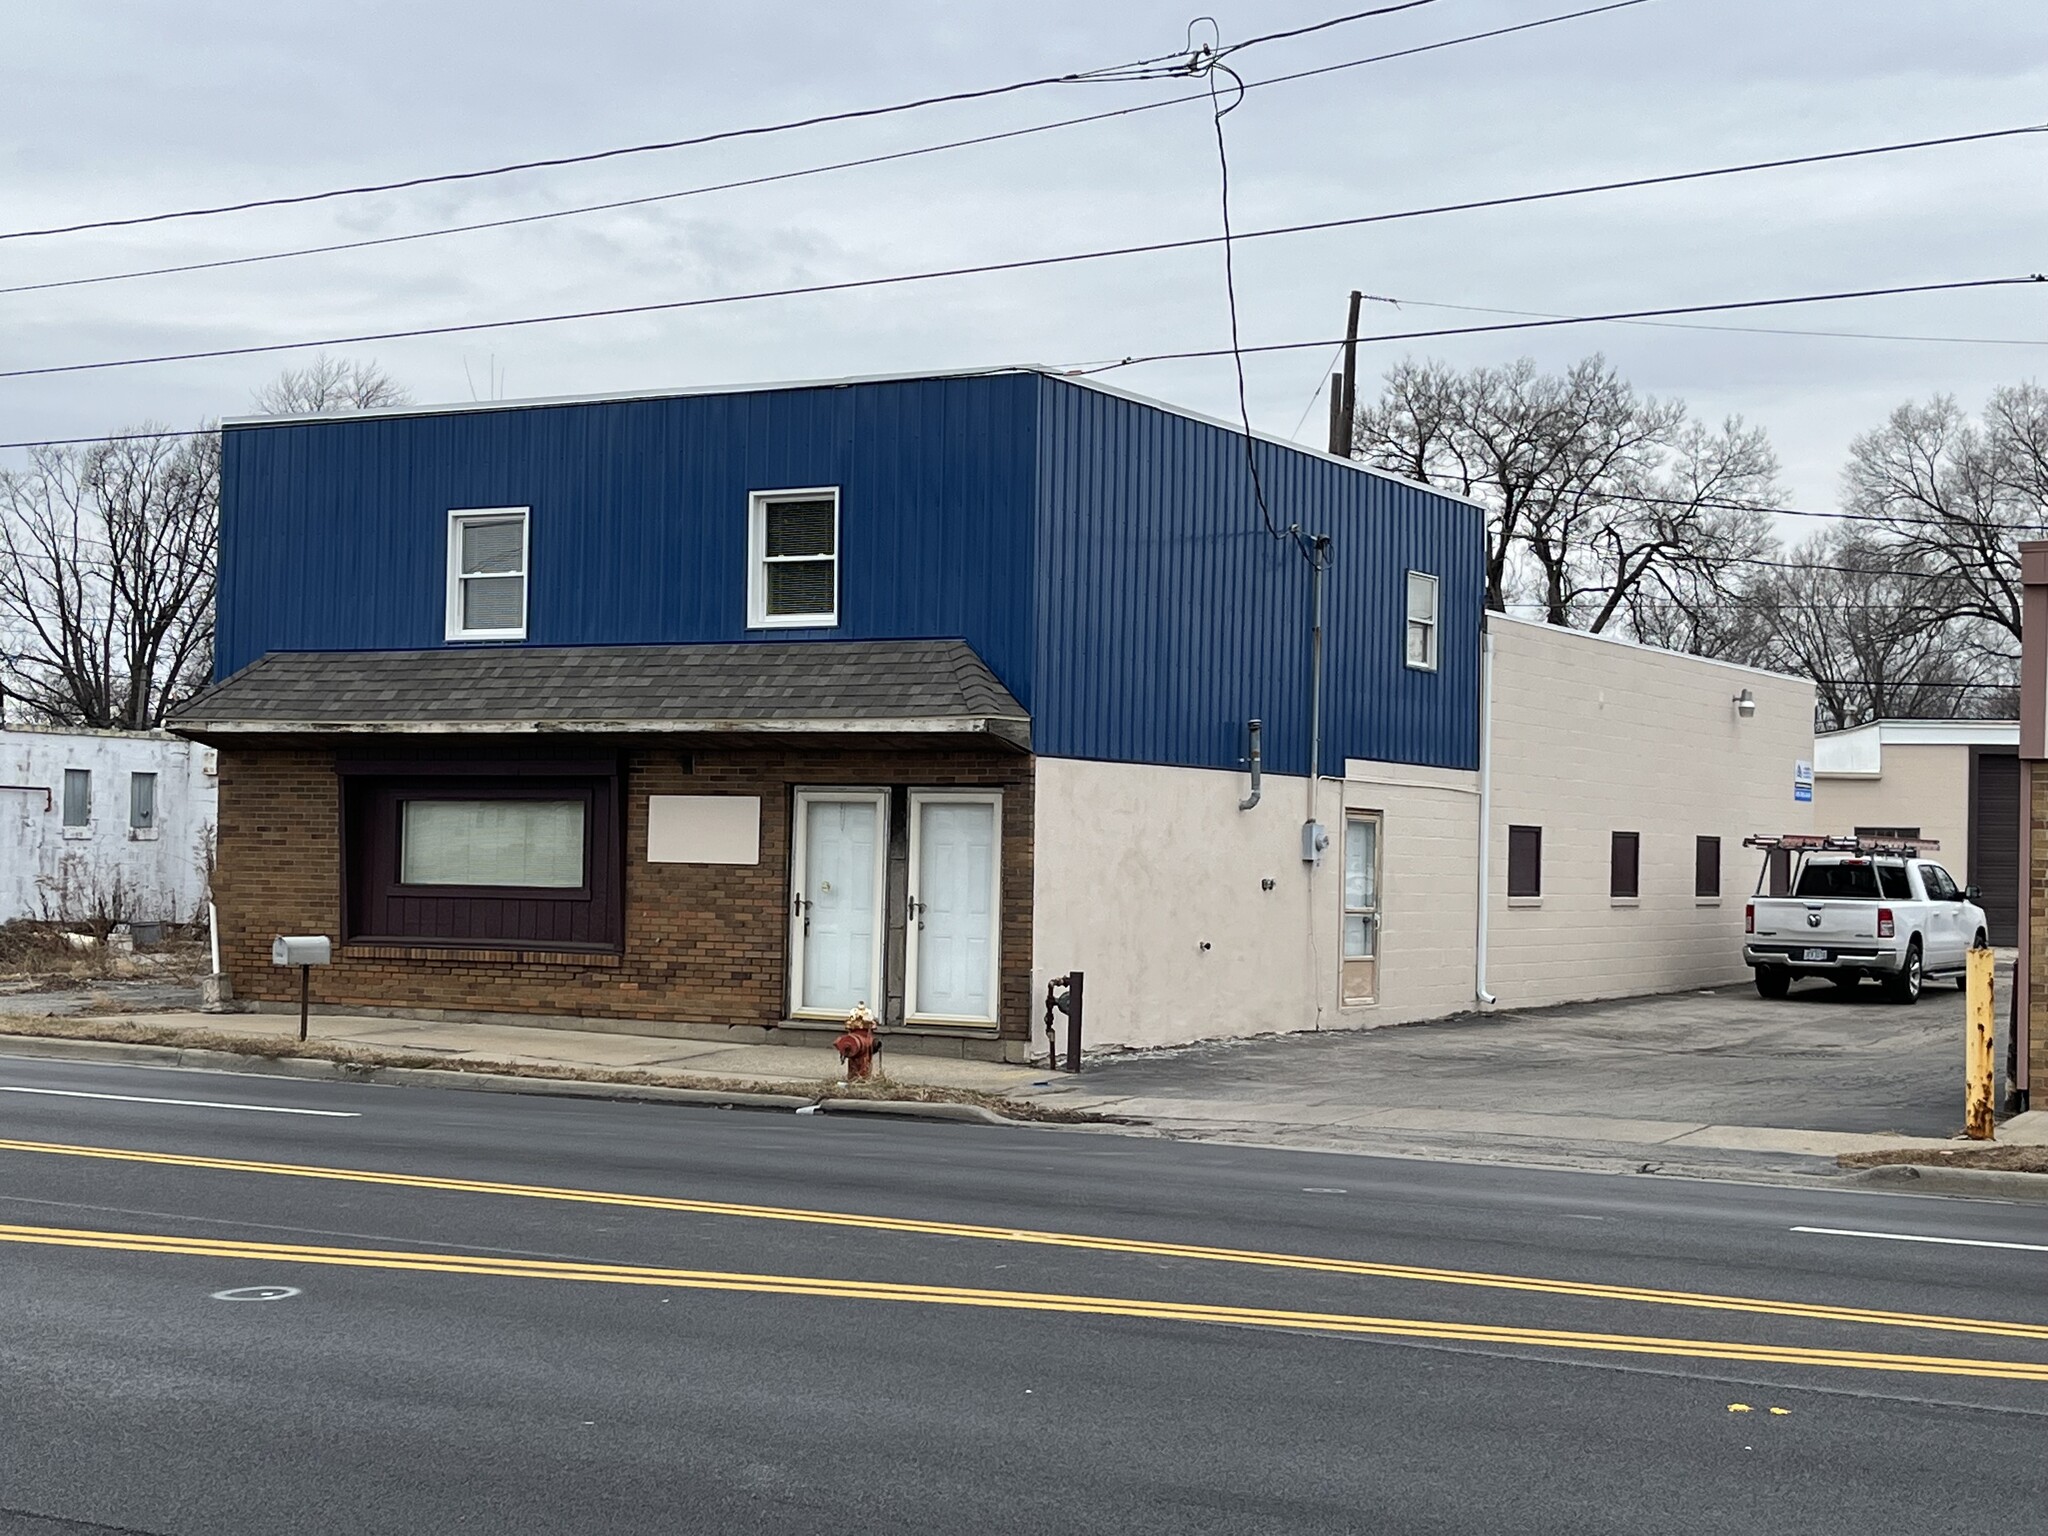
x,y
779,1068
1528,1089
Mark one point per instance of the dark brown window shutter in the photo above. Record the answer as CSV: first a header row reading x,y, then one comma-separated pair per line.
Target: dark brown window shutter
x,y
1623,864
1525,861
1706,866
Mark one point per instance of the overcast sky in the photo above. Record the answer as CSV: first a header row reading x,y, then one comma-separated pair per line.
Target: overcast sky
x,y
111,109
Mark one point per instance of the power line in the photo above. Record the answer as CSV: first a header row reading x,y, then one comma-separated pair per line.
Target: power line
x,y
1251,458
1534,325
1156,67
857,163
1890,520
1073,257
1143,69
1287,346
1321,26
1740,330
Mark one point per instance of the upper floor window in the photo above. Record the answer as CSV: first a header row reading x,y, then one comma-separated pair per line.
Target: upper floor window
x,y
142,802
1422,621
487,557
793,558
77,797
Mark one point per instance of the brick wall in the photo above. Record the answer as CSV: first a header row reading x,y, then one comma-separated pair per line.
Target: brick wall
x,y
704,944
2036,876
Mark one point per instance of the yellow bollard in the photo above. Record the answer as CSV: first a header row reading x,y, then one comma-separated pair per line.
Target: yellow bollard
x,y
1977,1049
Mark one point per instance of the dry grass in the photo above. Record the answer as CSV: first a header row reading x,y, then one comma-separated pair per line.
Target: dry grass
x,y
47,954
1977,1155
278,1047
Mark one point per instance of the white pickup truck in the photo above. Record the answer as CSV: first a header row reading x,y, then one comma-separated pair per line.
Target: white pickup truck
x,y
1856,909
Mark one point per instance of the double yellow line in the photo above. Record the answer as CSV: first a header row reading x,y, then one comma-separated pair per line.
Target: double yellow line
x,y
1023,1301
1364,1268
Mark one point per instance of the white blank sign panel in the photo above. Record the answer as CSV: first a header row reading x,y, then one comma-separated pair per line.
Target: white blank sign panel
x,y
703,829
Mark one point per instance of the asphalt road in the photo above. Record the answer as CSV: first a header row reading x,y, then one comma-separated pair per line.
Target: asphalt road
x,y
663,1319
1822,1059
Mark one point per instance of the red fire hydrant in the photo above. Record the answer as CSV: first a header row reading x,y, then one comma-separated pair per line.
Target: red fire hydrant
x,y
858,1045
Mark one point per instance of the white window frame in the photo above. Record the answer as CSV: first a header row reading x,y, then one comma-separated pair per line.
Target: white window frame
x,y
799,843
1431,626
149,833
919,798
758,616
75,829
457,517
1366,967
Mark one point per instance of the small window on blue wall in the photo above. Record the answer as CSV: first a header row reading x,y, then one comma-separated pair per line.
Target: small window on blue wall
x,y
1422,621
487,574
793,558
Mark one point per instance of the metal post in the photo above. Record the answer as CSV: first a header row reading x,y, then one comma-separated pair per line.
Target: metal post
x,y
1073,1021
1321,547
1351,375
1977,1124
305,994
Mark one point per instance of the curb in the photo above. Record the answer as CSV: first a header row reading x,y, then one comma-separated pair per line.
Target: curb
x,y
312,1068
1925,1179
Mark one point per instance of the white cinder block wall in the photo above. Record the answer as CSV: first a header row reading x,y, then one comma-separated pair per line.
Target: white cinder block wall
x,y
1918,786
1151,881
1595,736
50,870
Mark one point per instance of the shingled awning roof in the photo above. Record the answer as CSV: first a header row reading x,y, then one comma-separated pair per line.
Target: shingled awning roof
x,y
868,687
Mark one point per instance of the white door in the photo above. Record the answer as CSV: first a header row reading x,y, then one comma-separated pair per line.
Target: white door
x,y
1947,943
836,917
955,847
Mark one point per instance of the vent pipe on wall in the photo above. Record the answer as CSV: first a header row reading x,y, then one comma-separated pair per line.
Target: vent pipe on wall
x,y
1252,728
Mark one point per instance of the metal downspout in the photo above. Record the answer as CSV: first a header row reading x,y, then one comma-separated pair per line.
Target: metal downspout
x,y
1321,546
1485,812
1319,557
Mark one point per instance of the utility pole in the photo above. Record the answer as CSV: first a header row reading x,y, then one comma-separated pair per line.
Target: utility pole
x,y
1344,386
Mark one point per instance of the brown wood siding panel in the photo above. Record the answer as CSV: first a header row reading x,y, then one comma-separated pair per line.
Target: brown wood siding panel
x,y
1994,866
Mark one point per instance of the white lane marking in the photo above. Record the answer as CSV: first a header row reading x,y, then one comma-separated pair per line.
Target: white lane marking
x,y
136,1098
258,1293
1914,1237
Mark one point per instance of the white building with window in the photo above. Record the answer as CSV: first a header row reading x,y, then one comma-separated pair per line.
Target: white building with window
x,y
1596,852
106,825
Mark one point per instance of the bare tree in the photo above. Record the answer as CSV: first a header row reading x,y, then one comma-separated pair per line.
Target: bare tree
x,y
1594,493
331,384
107,561
1491,434
107,578
1872,625
1960,496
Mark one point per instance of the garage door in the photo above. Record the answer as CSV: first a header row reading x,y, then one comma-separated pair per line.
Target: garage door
x,y
1995,842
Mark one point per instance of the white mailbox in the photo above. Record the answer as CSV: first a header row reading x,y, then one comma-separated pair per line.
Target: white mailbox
x,y
306,949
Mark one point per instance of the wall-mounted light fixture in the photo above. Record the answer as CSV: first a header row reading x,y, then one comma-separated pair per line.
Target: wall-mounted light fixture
x,y
1745,704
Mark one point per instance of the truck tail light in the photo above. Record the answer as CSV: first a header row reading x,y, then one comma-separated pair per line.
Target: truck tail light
x,y
1885,927
1749,918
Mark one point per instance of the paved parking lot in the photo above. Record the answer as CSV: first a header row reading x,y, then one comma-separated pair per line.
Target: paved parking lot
x,y
1819,1060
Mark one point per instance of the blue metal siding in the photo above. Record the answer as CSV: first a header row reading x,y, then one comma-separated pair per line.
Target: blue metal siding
x,y
1168,616
334,533
1104,556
